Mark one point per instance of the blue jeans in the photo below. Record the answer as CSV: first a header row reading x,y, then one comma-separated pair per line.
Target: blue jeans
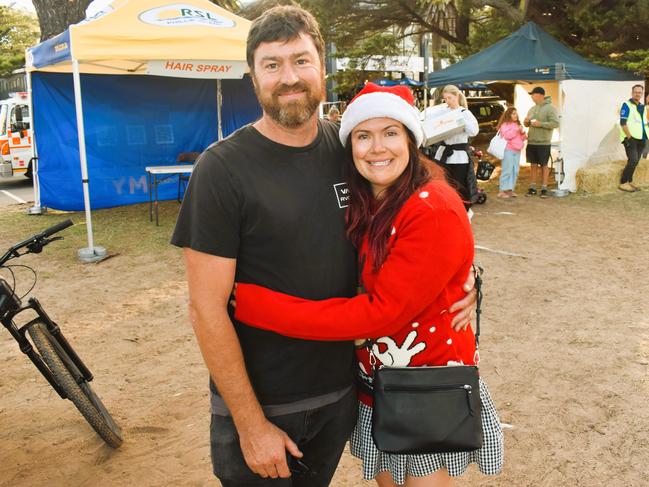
x,y
509,173
320,434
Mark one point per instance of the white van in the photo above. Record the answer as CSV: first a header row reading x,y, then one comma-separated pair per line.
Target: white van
x,y
15,136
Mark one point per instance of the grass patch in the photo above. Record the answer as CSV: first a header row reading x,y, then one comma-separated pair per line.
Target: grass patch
x,y
127,230
122,230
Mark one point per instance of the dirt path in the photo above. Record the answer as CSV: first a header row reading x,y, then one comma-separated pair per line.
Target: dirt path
x,y
565,350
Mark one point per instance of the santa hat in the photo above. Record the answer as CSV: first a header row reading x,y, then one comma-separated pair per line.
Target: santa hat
x,y
375,101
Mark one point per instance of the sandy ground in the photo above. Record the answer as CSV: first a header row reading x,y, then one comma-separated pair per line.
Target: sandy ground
x,y
565,350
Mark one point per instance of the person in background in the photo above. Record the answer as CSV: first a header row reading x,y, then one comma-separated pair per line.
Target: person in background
x,y
333,115
633,135
512,130
453,153
415,247
542,120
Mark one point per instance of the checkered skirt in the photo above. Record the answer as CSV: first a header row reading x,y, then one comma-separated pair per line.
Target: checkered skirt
x,y
489,458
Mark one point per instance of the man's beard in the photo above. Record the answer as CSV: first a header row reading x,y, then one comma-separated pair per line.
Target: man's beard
x,y
293,113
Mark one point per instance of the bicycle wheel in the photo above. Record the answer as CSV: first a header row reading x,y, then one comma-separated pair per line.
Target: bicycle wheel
x,y
81,394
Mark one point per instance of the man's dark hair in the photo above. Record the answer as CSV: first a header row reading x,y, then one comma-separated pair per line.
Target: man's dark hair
x,y
637,86
283,23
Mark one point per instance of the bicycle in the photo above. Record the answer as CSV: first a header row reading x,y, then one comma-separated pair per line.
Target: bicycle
x,y
53,356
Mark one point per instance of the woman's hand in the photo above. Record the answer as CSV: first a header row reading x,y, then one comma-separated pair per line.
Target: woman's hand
x,y
466,306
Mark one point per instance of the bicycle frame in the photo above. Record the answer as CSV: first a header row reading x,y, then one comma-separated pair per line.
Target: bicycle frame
x,y
19,334
11,306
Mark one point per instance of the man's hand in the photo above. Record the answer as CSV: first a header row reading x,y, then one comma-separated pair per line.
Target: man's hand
x,y
535,123
210,280
465,306
264,448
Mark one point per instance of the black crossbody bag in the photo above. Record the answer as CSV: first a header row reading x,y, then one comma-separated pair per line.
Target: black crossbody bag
x,y
428,409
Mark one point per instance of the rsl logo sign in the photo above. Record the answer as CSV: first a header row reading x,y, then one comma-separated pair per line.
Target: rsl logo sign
x,y
181,14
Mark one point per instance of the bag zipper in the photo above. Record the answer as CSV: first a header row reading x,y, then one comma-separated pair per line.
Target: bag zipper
x,y
425,388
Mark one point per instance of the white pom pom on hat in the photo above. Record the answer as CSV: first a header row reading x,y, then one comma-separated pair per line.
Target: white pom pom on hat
x,y
375,101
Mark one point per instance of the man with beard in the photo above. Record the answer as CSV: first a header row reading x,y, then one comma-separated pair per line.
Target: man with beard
x,y
266,206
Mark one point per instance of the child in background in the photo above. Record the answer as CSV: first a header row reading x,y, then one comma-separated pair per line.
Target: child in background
x,y
511,130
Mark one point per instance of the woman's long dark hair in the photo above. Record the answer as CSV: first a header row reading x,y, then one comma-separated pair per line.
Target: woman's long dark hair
x,y
369,215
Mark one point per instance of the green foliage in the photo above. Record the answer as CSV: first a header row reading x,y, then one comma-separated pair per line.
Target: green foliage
x,y
376,47
18,31
488,29
636,61
608,32
231,5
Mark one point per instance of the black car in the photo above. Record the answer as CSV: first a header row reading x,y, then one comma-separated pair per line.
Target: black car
x,y
487,111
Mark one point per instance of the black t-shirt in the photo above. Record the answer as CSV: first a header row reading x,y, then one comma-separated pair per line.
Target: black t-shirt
x,y
279,211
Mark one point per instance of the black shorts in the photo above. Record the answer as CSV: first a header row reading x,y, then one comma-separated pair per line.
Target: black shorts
x,y
320,434
538,154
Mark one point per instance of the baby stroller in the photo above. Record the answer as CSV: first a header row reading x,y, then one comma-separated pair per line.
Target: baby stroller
x,y
473,195
483,173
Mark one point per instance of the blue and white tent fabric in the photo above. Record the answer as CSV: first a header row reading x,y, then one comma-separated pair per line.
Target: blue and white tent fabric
x,y
133,85
529,54
587,96
130,122
405,81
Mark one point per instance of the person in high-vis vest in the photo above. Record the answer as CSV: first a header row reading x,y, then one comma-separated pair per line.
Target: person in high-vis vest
x,y
634,125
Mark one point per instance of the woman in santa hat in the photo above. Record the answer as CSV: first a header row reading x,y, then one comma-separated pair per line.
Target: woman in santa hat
x,y
415,249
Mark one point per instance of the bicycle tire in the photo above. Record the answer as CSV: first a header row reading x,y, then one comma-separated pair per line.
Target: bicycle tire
x,y
81,395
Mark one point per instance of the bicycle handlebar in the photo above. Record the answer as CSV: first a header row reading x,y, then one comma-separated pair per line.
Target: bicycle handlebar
x,y
56,228
39,238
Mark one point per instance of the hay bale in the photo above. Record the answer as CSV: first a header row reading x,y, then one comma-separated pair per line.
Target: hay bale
x,y
605,177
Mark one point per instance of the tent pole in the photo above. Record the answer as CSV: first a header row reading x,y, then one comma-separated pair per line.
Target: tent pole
x,y
219,102
91,253
560,75
426,68
36,209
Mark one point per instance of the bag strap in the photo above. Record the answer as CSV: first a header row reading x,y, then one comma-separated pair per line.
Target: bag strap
x,y
477,274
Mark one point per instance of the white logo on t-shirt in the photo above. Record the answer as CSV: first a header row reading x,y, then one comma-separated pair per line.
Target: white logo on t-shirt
x,y
342,194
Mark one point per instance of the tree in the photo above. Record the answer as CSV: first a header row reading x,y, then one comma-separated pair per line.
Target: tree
x,y
447,19
231,5
611,32
18,31
608,32
55,16
377,47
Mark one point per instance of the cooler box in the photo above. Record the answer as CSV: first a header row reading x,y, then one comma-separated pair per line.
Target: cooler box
x,y
440,124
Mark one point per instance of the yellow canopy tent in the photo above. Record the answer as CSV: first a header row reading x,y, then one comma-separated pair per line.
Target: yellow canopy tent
x,y
187,39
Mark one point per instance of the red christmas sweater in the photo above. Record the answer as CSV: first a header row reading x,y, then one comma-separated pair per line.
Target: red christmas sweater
x,y
405,307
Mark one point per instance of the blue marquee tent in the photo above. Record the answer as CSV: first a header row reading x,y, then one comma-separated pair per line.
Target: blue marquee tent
x,y
130,122
405,81
529,54
148,80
